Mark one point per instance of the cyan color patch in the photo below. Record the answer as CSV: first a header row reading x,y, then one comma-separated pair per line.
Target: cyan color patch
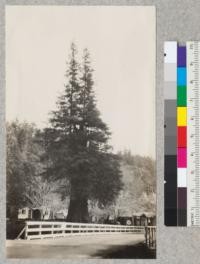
x,y
181,76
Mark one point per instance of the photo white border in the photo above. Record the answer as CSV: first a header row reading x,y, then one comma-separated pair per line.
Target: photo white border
x,y
177,20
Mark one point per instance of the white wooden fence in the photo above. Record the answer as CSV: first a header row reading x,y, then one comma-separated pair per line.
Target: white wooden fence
x,y
42,229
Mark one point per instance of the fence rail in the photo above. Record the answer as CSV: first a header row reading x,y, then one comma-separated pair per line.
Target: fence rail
x,y
42,230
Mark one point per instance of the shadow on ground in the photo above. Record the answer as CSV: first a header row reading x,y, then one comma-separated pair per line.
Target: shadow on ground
x,y
139,251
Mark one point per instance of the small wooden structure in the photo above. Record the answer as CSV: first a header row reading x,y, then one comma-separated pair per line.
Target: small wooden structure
x,y
62,214
25,213
38,213
144,219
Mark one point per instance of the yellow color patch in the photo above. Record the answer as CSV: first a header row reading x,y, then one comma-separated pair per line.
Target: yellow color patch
x,y
182,116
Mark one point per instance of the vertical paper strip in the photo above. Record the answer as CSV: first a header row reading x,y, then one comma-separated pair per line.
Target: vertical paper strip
x,y
193,133
181,136
170,134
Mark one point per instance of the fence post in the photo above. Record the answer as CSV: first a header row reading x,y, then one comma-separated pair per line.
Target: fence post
x,y
52,230
40,233
63,227
146,230
26,231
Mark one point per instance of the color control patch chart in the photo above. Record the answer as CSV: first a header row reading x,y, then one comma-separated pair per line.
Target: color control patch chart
x,y
182,133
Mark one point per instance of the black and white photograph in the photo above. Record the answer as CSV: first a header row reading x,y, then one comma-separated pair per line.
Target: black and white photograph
x,y
80,132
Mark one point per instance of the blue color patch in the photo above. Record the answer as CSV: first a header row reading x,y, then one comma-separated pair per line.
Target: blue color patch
x,y
181,76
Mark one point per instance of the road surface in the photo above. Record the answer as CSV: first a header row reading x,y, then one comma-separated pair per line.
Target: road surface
x,y
87,246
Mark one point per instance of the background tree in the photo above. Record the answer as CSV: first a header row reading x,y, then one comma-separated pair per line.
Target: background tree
x,y
41,193
22,163
77,143
26,185
138,195
139,178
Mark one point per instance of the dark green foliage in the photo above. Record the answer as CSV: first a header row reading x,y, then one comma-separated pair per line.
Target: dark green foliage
x,y
26,167
139,188
139,177
77,142
22,163
145,168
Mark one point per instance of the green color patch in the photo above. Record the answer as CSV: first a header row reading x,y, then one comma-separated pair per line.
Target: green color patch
x,y
181,96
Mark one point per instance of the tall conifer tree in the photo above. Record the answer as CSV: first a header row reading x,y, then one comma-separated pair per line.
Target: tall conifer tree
x,y
77,143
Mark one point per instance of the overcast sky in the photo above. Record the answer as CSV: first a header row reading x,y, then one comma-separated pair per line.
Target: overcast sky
x,y
121,41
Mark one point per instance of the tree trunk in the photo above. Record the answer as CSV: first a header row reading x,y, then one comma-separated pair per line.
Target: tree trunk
x,y
78,210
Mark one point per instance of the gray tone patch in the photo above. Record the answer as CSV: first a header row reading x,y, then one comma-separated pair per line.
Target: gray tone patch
x,y
170,145
170,126
170,108
170,74
170,90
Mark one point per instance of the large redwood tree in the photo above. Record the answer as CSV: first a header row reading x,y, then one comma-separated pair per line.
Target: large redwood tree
x,y
77,143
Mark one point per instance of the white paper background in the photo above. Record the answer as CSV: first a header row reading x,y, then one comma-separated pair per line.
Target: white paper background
x,y
176,20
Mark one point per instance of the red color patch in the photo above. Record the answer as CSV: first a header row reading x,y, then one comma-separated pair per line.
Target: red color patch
x,y
182,137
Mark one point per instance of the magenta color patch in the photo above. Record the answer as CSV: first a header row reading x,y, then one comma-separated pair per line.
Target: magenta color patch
x,y
182,158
